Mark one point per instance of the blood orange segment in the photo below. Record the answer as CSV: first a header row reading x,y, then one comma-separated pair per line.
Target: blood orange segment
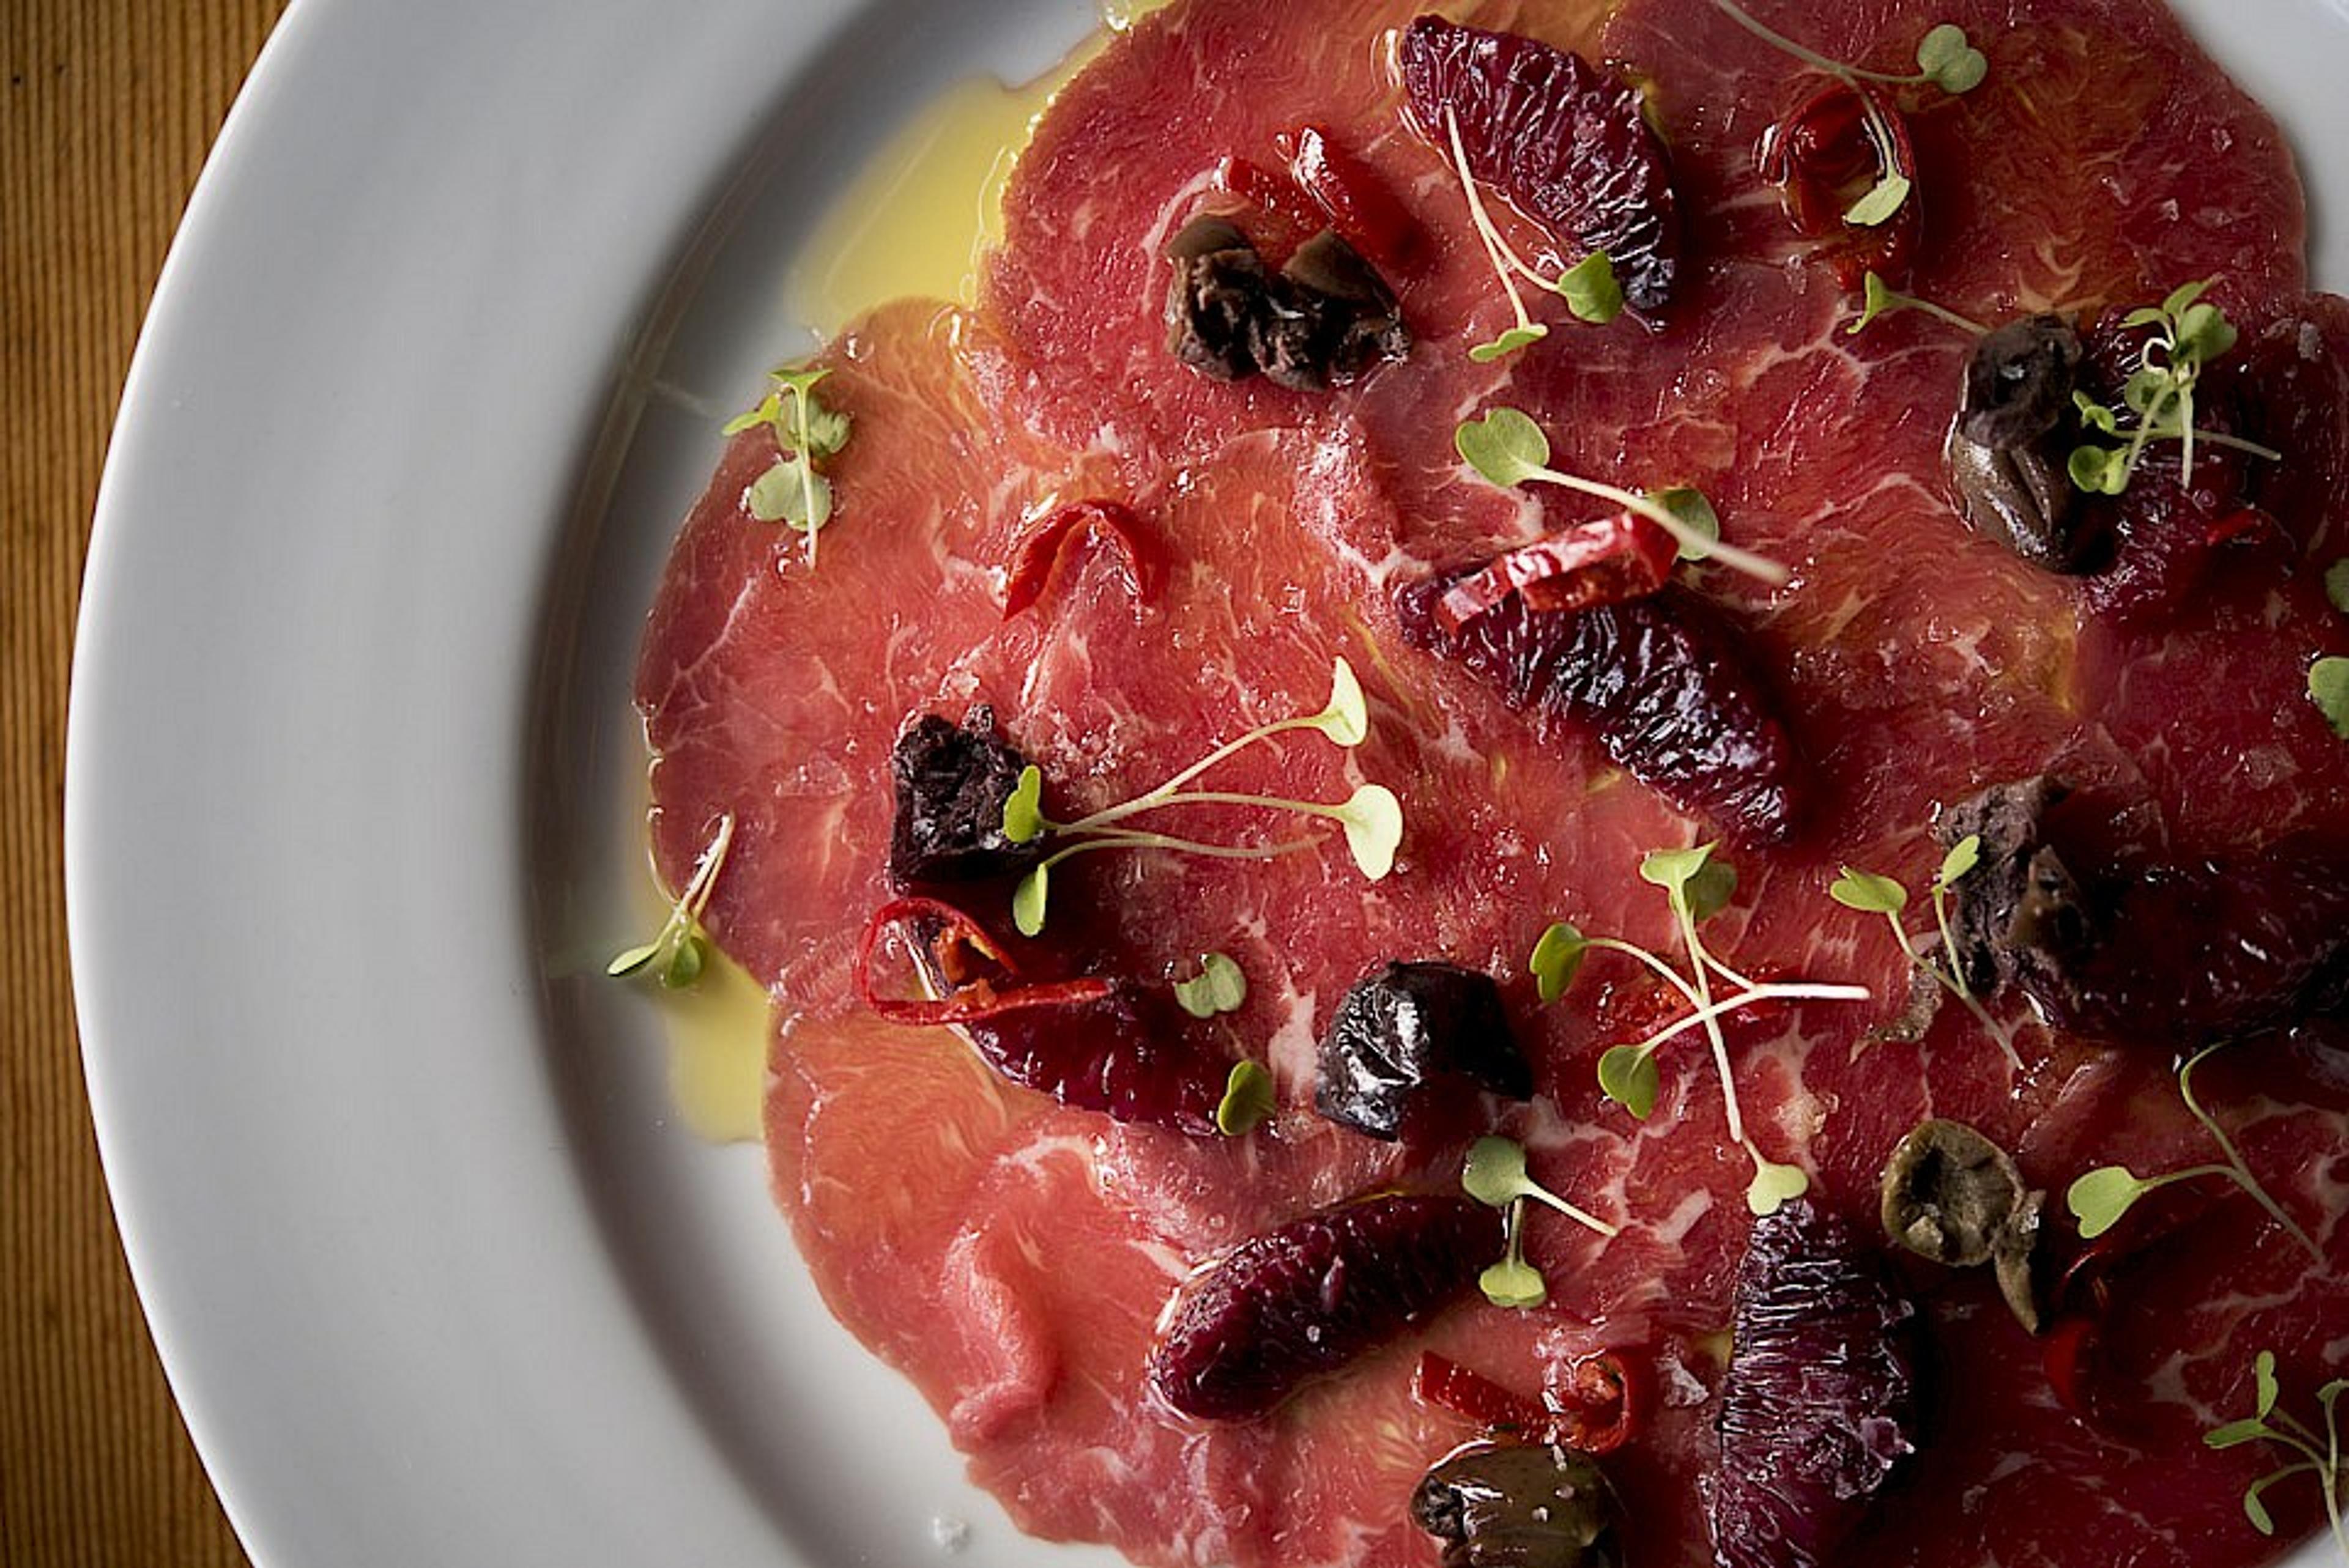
x,y
1567,144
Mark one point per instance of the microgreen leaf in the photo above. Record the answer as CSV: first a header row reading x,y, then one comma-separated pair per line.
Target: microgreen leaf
x,y
2254,1509
1775,1184
1508,343
2264,1382
1949,62
2100,1198
1513,1282
2235,1434
1629,1076
1028,901
790,491
770,410
1023,809
1372,819
1247,1100
2336,584
1868,892
1694,510
2094,415
685,964
1495,1171
1347,718
2099,471
1883,199
1590,290
1556,959
1671,869
1709,892
1963,856
1218,987
2328,688
1505,445
636,958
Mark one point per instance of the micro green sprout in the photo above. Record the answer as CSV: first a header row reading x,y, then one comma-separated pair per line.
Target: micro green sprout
x,y
2100,1198
1878,298
1506,449
1247,1100
1372,818
1697,887
680,953
2328,688
1945,59
1218,987
1589,288
2314,1455
806,432
1870,892
2188,333
1494,1175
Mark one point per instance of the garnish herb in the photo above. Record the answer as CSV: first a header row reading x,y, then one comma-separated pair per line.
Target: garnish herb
x,y
1218,987
2100,1198
2328,688
806,432
2313,1455
2189,333
1247,1100
680,953
1697,888
1873,894
1944,59
2336,584
1878,298
1589,288
1371,817
1494,1175
1508,449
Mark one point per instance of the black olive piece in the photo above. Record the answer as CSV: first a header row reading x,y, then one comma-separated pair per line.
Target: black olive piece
x,y
1361,323
1950,1194
1321,320
1518,1505
952,782
2006,451
2019,916
1215,299
1405,1023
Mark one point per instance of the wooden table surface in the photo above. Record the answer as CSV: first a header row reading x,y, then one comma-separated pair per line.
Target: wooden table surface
x,y
110,106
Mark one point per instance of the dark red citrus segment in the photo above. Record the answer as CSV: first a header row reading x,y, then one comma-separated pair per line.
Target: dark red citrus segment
x,y
1567,142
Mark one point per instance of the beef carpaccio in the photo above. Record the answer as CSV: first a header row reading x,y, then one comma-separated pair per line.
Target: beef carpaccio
x,y
1016,1252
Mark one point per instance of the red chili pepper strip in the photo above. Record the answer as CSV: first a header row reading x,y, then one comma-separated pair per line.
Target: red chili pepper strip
x,y
1599,563
970,1000
1294,217
1039,559
1594,1412
1823,159
1360,206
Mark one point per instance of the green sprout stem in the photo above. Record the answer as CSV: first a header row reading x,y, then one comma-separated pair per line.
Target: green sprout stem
x,y
1496,249
1753,995
1158,799
1811,57
2235,1167
1137,840
1953,979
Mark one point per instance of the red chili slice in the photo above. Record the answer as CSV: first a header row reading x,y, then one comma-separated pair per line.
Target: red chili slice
x,y
1360,207
1042,555
1286,216
1602,562
950,941
1593,1410
1822,161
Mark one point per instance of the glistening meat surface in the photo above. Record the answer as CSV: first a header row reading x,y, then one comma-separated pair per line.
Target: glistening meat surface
x,y
1013,1256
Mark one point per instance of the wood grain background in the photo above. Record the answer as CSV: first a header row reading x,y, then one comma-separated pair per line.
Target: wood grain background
x,y
109,107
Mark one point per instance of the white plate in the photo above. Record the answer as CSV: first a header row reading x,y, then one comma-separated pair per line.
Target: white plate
x,y
437,1278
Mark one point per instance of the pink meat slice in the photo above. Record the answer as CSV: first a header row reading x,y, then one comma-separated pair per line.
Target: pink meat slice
x,y
1923,663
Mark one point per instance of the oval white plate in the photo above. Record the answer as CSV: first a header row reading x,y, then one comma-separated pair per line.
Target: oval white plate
x,y
436,1277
